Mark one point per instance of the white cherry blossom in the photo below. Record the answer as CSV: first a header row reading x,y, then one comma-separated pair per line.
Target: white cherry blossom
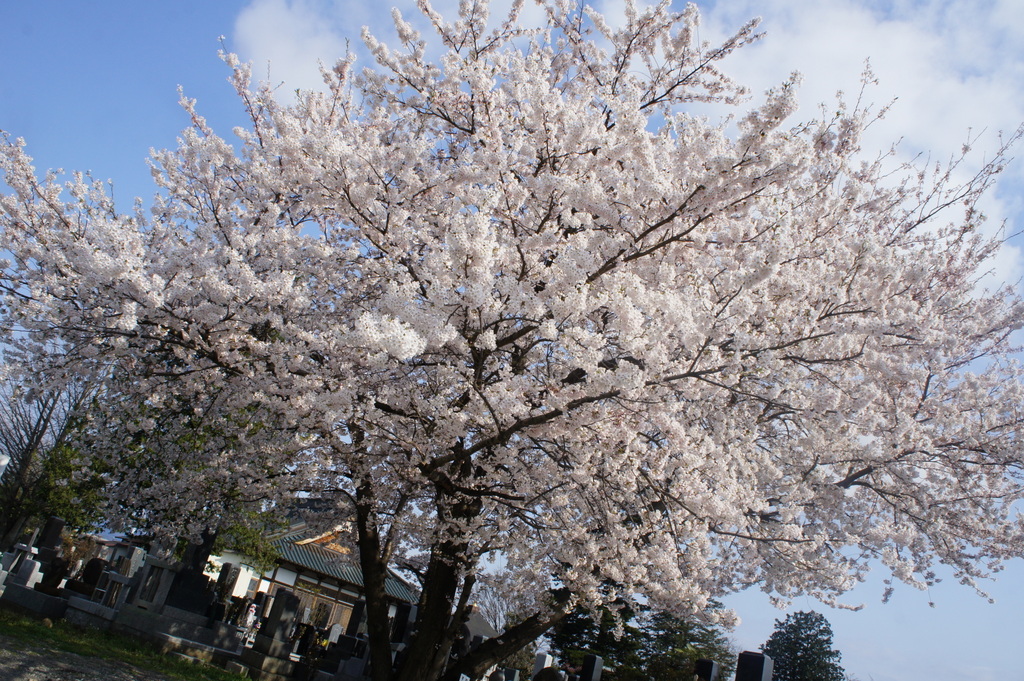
x,y
516,309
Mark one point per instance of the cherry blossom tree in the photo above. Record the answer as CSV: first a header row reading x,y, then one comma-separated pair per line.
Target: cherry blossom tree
x,y
502,302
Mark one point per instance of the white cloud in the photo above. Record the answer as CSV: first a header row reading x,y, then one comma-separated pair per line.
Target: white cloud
x,y
954,67
286,40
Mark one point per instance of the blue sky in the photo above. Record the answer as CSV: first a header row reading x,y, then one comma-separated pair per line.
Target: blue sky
x,y
93,86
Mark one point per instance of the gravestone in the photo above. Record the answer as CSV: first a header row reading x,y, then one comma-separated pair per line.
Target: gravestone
x,y
114,587
89,579
154,580
274,633
53,575
402,624
93,571
12,560
134,561
48,541
754,667
23,552
271,648
36,573
226,581
192,591
542,661
350,646
706,670
335,632
29,573
49,538
355,620
355,667
511,675
224,588
591,668
7,560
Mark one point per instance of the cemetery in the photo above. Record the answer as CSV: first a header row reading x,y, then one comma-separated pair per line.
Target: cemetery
x,y
302,620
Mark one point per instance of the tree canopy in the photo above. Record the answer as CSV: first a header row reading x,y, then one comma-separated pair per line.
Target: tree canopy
x,y
501,301
801,649
41,476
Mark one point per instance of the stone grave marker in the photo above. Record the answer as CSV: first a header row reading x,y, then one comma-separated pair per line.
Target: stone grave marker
x,y
29,573
592,665
706,670
753,667
134,562
273,636
49,538
154,583
542,661
402,624
191,591
271,648
355,620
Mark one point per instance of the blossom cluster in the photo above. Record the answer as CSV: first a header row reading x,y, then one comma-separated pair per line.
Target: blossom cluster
x,y
520,306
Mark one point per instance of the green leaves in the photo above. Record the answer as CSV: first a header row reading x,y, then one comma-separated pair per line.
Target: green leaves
x,y
801,648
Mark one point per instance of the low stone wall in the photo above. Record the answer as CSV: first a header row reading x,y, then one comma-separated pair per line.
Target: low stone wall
x,y
34,602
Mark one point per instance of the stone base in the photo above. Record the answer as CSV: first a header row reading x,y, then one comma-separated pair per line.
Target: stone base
x,y
353,669
263,667
185,616
197,652
273,647
148,624
236,667
85,613
34,602
216,644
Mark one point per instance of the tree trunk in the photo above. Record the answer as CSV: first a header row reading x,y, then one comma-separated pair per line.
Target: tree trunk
x,y
374,570
494,650
437,626
13,529
443,606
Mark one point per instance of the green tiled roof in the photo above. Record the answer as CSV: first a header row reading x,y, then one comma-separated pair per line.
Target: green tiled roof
x,y
324,561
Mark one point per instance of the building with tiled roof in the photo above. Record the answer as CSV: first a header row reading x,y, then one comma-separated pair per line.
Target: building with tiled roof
x,y
322,571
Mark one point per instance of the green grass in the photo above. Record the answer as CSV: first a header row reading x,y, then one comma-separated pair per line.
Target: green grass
x,y
106,645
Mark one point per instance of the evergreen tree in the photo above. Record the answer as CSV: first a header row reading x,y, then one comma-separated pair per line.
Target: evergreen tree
x,y
672,646
653,646
580,634
801,648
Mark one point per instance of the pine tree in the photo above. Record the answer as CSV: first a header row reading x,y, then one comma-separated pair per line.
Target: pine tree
x,y
673,645
581,634
652,646
801,648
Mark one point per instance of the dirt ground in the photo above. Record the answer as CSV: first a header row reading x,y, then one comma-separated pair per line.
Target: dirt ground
x,y
21,662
